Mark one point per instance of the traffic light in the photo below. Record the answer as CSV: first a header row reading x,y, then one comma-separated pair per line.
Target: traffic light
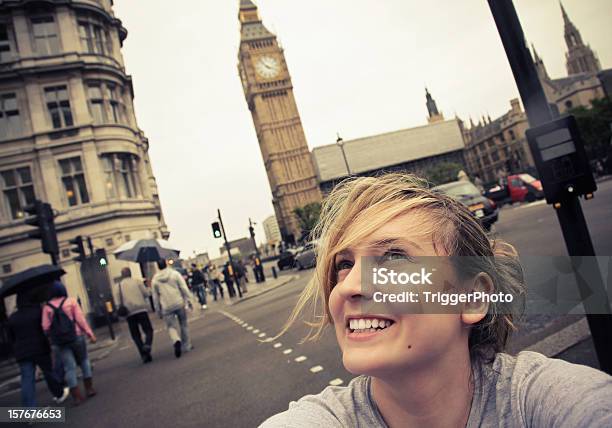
x,y
78,248
41,216
216,227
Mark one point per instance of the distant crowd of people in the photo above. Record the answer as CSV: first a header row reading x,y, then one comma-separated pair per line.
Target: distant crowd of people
x,y
49,329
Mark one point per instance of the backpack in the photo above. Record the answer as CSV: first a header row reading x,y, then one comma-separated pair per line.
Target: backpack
x,y
62,330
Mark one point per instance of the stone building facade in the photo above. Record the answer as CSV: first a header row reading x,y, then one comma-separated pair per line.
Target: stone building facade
x,y
269,94
68,135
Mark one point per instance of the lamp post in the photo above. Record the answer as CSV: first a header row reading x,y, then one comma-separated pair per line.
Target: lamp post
x,y
340,143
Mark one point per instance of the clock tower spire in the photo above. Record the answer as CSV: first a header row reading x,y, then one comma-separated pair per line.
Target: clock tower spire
x,y
268,91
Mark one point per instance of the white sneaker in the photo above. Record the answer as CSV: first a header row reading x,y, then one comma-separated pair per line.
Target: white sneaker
x,y
204,306
65,394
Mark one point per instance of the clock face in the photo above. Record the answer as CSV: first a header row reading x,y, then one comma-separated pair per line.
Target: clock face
x,y
267,67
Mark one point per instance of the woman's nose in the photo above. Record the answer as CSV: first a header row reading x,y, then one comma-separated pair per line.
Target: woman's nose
x,y
350,287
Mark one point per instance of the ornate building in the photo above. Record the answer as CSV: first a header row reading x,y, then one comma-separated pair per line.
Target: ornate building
x,y
432,109
269,94
579,57
68,135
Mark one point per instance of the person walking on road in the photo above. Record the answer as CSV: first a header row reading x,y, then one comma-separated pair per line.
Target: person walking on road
x,y
132,295
31,349
171,296
66,326
229,282
215,277
198,285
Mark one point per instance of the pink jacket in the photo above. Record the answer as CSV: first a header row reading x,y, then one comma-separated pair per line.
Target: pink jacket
x,y
72,309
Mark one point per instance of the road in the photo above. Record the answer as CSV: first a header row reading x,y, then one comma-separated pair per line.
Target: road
x,y
234,379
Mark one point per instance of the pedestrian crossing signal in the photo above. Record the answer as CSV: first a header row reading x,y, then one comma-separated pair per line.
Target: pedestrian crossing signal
x,y
216,227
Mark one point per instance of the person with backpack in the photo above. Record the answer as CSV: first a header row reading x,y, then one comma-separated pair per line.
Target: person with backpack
x,y
65,325
171,297
131,295
31,349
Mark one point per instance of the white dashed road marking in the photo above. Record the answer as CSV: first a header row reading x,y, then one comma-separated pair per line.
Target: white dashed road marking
x,y
301,358
287,351
123,348
316,369
256,331
336,382
278,345
250,327
262,334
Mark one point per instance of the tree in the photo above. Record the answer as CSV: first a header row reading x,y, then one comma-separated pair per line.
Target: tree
x,y
594,126
308,216
443,172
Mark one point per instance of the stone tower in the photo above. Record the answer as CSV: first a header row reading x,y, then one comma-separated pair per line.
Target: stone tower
x,y
432,109
580,58
269,94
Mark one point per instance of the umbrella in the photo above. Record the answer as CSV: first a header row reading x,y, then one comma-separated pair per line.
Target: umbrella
x,y
29,278
145,250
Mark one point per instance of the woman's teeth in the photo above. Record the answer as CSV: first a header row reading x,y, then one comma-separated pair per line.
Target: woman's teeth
x,y
366,325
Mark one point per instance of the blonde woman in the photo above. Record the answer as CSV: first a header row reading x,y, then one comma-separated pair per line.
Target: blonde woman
x,y
429,370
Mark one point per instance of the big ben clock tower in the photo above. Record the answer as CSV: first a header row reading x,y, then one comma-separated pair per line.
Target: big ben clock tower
x,y
269,94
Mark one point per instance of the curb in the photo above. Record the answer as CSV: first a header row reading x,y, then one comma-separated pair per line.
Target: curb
x,y
14,383
289,278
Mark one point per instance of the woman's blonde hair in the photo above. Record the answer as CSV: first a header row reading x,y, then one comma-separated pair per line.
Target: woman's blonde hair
x,y
357,207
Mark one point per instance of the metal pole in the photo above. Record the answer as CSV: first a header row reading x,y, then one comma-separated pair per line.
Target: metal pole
x,y
571,218
252,232
229,253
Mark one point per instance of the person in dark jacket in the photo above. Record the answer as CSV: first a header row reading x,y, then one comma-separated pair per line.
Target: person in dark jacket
x,y
198,284
31,349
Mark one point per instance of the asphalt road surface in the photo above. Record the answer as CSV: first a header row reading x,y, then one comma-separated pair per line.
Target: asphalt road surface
x,y
234,379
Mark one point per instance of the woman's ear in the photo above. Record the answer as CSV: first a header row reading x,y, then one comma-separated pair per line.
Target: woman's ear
x,y
473,312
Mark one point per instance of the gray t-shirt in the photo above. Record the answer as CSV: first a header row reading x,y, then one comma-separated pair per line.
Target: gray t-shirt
x,y
529,390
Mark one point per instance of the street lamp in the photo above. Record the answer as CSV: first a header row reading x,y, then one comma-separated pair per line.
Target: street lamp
x,y
340,143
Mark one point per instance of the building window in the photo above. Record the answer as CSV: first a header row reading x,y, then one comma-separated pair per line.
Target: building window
x,y
18,190
7,42
7,268
65,253
95,38
73,180
106,102
512,136
10,120
117,106
46,40
121,171
495,156
96,103
58,106
568,104
109,242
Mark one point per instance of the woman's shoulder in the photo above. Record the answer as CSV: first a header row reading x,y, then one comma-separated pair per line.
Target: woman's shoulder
x,y
335,406
550,389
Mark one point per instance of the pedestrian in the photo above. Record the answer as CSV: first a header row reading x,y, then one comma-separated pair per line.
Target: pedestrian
x,y
215,278
171,297
65,325
229,282
257,268
198,285
31,349
240,271
445,367
132,295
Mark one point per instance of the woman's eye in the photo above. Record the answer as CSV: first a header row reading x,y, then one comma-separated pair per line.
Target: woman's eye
x,y
343,264
395,255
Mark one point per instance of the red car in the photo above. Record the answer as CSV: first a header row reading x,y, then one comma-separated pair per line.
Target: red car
x,y
517,188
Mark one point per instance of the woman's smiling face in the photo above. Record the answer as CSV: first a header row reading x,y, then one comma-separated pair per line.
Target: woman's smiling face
x,y
400,342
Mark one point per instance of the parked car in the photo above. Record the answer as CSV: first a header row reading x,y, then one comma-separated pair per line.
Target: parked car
x,y
286,260
307,258
516,188
482,208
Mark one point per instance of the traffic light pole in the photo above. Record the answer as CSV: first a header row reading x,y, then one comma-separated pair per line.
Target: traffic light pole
x,y
252,232
569,213
229,254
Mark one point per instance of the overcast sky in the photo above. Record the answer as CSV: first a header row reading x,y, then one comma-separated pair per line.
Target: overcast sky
x,y
359,67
